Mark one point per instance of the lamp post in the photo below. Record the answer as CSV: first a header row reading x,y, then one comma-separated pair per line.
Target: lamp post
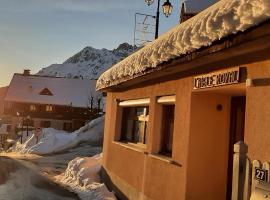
x,y
27,124
21,135
167,10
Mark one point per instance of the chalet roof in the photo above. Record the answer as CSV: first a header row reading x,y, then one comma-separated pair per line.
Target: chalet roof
x,y
196,6
64,91
222,19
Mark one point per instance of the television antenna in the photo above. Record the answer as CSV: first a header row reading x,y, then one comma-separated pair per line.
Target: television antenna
x,y
144,30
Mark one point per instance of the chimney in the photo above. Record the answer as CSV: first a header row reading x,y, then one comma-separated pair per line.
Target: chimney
x,y
26,72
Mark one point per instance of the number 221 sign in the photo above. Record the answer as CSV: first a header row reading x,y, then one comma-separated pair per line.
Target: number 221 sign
x,y
261,174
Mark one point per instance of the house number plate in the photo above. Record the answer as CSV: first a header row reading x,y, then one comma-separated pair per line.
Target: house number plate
x,y
261,174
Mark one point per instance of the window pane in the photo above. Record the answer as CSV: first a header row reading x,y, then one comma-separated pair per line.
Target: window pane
x,y
45,124
136,131
167,130
129,112
140,111
170,136
139,132
133,124
129,130
145,132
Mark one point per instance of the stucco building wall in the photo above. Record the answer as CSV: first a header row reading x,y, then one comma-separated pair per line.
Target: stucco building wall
x,y
201,138
257,117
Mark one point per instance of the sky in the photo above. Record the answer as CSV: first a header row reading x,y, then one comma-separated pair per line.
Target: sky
x,y
37,33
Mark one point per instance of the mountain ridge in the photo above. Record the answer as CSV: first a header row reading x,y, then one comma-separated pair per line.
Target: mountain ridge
x,y
89,62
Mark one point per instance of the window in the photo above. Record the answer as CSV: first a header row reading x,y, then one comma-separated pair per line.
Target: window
x,y
46,91
67,126
134,120
45,124
9,127
134,124
168,109
167,130
28,122
49,108
33,108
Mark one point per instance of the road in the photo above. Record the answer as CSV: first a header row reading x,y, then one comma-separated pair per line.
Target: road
x,y
19,180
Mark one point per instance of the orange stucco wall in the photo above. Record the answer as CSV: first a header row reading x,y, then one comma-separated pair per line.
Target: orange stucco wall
x,y
201,137
209,139
136,169
257,134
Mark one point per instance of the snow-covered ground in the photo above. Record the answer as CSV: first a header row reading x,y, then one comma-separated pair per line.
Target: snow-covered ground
x,y
54,141
66,158
20,181
81,177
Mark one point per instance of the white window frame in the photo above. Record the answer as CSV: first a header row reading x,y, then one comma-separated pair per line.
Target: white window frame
x,y
135,102
144,102
167,100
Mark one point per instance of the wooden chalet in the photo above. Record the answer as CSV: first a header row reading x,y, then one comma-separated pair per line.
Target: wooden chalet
x,y
60,103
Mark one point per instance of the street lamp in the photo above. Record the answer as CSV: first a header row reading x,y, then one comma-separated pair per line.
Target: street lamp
x,y
21,134
167,10
27,124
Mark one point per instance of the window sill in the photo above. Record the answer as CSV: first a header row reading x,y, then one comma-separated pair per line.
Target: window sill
x,y
132,146
141,149
165,159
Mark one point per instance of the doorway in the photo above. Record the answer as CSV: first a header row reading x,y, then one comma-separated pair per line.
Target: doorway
x,y
209,142
237,128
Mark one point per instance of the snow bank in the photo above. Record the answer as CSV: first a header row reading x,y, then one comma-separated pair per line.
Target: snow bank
x,y
222,19
82,177
53,141
94,129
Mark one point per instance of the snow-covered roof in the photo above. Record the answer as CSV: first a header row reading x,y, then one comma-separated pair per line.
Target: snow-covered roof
x,y
196,6
64,91
224,18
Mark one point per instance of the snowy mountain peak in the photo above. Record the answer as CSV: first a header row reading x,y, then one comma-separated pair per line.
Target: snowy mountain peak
x,y
123,50
88,63
88,53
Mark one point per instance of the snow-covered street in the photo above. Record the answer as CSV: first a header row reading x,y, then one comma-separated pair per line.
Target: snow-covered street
x,y
52,165
71,165
19,180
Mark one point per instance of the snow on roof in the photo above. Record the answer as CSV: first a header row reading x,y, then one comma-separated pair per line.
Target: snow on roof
x,y
196,6
222,19
64,91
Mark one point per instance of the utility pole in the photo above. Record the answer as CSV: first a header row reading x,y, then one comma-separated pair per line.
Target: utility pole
x,y
157,20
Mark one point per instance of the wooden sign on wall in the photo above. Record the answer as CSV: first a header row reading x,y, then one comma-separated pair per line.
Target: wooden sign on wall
x,y
215,79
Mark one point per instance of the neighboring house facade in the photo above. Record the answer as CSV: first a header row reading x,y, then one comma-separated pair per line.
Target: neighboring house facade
x,y
60,103
175,108
191,8
4,129
3,91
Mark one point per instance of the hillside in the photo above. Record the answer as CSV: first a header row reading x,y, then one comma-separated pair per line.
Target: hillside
x,y
88,63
